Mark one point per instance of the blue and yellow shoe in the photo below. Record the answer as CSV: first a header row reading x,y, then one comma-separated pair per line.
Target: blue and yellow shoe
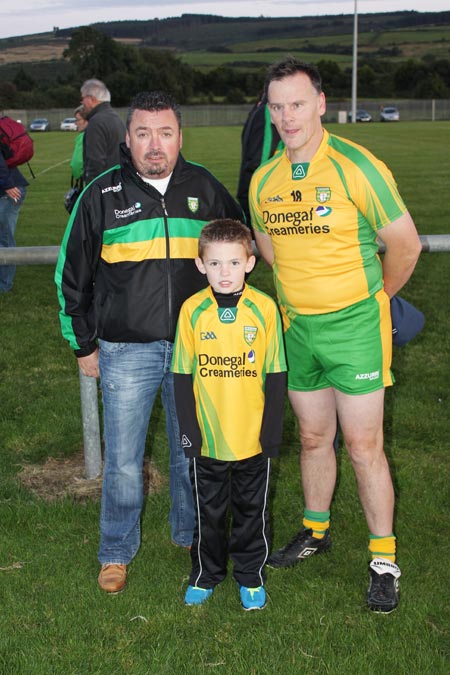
x,y
253,598
196,595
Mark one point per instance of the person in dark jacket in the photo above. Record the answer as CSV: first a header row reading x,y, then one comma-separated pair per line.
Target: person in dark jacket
x,y
126,265
13,188
259,141
104,133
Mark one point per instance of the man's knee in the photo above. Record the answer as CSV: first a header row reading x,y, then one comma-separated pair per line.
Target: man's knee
x,y
365,450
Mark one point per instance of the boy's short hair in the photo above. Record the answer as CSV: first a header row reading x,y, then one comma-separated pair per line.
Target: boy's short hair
x,y
225,230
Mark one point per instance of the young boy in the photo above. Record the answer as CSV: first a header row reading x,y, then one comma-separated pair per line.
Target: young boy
x,y
229,367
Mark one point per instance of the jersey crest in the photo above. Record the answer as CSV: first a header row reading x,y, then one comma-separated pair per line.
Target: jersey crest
x,y
323,194
250,333
192,204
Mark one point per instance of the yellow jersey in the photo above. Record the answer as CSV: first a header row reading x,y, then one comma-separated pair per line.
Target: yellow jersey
x,y
229,351
322,218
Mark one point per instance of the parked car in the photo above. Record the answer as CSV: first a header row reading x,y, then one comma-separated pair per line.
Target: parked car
x,y
361,116
40,124
389,114
69,124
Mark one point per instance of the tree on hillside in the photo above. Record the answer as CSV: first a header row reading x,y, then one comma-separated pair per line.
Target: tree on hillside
x,y
93,54
127,69
8,95
23,81
335,82
421,80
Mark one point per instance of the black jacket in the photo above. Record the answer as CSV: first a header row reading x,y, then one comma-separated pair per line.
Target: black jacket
x,y
10,177
101,141
126,263
259,141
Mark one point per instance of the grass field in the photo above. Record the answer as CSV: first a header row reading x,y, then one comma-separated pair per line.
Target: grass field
x,y
55,621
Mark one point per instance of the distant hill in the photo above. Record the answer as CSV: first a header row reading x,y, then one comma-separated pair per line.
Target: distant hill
x,y
399,53
193,32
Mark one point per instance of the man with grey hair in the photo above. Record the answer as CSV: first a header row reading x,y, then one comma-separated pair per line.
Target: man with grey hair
x,y
105,131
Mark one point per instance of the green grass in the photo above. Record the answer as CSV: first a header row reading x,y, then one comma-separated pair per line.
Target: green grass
x,y
54,620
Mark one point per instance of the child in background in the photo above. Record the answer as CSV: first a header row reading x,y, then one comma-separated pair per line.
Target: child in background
x,y
229,372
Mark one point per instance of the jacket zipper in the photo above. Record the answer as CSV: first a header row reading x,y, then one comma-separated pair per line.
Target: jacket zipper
x,y
169,268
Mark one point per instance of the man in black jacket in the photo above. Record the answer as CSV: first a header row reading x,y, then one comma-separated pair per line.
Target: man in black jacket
x,y
126,265
104,133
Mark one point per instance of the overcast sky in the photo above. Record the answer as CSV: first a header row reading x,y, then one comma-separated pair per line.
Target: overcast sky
x,y
26,17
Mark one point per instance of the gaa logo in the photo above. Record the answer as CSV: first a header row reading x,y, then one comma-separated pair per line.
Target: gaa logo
x,y
208,335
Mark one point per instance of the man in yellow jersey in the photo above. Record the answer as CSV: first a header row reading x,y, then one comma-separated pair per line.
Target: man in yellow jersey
x,y
317,210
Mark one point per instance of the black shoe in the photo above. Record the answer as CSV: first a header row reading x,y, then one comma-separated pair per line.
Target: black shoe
x,y
383,594
302,546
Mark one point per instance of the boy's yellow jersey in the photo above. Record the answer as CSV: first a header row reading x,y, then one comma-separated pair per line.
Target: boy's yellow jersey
x,y
229,351
323,218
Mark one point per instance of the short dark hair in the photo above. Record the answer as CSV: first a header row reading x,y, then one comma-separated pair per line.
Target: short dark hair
x,y
225,230
291,66
153,101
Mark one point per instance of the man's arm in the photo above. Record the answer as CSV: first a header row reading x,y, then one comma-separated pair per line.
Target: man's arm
x,y
403,249
75,276
6,182
94,151
265,248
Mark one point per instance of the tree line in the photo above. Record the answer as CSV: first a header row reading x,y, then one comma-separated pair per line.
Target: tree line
x,y
127,69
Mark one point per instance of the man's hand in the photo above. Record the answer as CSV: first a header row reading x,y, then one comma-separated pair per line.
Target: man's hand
x,y
89,364
403,248
14,193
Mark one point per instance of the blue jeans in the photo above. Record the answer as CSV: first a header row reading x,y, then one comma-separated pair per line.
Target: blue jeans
x,y
9,213
131,375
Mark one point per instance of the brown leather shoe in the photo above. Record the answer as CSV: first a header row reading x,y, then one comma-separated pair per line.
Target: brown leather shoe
x,y
188,548
112,577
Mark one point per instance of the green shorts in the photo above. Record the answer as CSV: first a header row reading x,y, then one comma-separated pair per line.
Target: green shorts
x,y
349,350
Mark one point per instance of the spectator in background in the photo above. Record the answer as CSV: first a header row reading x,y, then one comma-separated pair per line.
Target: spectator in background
x,y
105,131
259,141
76,163
13,188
